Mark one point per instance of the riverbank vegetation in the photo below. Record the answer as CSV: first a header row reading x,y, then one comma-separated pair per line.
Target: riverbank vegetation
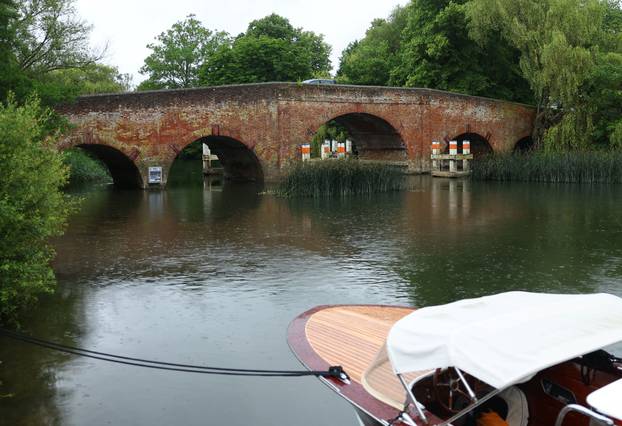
x,y
337,178
84,169
32,206
553,167
45,59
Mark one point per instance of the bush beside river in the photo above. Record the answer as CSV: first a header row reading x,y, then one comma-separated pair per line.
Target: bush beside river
x,y
32,207
555,167
85,169
338,178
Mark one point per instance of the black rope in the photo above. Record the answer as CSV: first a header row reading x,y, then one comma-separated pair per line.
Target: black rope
x,y
335,371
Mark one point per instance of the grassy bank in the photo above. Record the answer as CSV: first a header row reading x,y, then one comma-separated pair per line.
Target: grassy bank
x,y
557,167
85,169
338,178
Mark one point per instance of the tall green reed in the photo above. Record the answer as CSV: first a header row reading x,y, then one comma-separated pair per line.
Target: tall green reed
x,y
332,178
555,167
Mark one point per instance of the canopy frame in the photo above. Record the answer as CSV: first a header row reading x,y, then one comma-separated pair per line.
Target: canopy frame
x,y
476,402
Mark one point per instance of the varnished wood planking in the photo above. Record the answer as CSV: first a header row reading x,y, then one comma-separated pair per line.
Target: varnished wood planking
x,y
351,336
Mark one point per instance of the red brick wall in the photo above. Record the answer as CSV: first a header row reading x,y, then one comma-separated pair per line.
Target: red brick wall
x,y
273,119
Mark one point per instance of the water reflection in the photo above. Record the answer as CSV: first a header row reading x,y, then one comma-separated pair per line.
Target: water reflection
x,y
214,273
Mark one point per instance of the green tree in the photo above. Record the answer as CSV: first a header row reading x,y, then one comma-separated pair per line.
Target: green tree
x,y
603,89
50,36
438,53
425,44
10,73
270,50
179,53
558,41
329,131
64,85
32,207
371,60
41,39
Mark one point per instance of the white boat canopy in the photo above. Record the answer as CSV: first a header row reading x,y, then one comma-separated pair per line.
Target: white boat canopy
x,y
506,338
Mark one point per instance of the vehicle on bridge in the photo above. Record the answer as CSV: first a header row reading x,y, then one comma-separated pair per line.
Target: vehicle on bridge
x,y
517,359
320,81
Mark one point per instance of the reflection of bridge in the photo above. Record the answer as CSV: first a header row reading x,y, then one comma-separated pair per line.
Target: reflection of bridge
x,y
256,129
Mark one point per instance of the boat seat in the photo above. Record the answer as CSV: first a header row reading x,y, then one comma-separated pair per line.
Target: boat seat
x,y
518,410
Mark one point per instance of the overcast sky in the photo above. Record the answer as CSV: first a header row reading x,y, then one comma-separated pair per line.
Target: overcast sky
x,y
129,25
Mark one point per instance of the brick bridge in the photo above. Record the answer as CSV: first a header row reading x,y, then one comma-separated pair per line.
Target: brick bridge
x,y
256,130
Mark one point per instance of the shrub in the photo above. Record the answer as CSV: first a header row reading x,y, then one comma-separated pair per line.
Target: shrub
x,y
85,169
32,206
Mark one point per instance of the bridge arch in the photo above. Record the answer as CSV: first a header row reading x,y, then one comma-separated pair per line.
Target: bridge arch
x,y
123,170
373,137
238,161
479,144
525,144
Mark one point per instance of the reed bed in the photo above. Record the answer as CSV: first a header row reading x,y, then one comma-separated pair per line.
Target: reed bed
x,y
339,178
555,167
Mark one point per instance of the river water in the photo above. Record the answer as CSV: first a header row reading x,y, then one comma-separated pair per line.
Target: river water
x,y
214,274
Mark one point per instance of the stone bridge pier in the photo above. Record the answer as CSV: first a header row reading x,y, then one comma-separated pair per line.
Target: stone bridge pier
x,y
256,130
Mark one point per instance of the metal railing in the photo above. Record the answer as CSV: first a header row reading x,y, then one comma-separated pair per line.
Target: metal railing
x,y
581,410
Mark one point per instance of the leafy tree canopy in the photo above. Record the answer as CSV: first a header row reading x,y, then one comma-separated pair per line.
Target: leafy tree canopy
x,y
50,36
371,60
65,85
270,50
564,47
44,48
179,53
426,44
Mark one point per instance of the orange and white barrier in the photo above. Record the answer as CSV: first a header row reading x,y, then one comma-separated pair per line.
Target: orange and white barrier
x,y
436,148
441,158
306,152
453,147
453,150
341,150
325,150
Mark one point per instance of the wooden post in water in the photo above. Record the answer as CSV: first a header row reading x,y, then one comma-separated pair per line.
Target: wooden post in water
x,y
453,150
466,150
325,150
306,152
341,150
436,150
207,159
438,160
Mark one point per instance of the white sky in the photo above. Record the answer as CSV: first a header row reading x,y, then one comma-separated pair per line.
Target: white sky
x,y
129,25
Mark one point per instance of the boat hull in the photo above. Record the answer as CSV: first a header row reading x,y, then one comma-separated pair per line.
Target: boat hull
x,y
349,336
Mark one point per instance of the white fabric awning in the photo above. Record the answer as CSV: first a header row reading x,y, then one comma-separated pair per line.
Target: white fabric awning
x,y
506,338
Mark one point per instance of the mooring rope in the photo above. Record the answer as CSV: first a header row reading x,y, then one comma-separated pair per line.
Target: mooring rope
x,y
334,371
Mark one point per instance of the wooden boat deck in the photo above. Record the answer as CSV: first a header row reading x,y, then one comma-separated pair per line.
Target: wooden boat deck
x,y
352,336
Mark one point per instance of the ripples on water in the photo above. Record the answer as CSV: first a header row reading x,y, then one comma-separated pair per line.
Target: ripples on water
x,y
215,276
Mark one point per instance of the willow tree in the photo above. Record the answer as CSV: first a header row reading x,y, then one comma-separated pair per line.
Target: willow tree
x,y
558,42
